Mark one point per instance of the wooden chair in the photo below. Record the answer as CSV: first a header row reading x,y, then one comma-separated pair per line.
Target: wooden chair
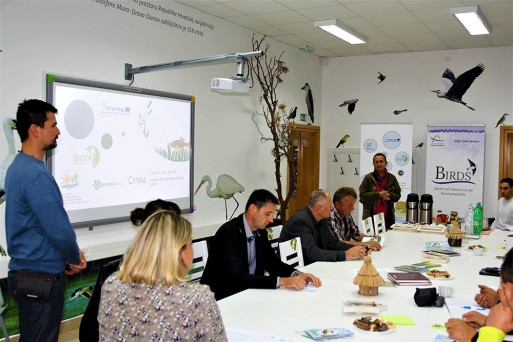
x,y
379,223
199,261
273,234
291,252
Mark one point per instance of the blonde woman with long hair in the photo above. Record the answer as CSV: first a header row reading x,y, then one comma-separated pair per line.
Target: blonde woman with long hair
x,y
149,298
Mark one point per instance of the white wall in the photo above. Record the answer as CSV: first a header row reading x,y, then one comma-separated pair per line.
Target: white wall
x,y
410,76
86,39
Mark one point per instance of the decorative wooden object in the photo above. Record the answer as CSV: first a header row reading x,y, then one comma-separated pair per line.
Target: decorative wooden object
x,y
455,235
368,278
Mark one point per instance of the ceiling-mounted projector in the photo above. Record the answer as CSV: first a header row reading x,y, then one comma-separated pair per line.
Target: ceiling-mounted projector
x,y
229,85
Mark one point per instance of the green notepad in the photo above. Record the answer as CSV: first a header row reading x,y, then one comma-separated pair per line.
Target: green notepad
x,y
398,319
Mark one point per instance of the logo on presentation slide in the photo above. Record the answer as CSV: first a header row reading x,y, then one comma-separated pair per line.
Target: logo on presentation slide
x,y
98,184
91,155
69,179
391,140
115,109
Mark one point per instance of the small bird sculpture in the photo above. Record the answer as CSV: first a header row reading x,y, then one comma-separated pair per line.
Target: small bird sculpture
x,y
351,105
501,120
292,114
343,140
381,77
420,145
456,87
399,111
309,101
226,187
9,125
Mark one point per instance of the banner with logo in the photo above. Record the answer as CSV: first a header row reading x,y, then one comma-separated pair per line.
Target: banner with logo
x,y
455,167
394,141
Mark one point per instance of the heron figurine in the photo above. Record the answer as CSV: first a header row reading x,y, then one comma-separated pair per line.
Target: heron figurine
x,y
456,87
226,187
9,125
309,101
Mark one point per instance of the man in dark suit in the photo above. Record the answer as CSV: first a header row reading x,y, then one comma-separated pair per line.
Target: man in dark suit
x,y
240,253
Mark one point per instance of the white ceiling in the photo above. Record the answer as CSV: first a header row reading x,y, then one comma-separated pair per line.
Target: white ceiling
x,y
392,26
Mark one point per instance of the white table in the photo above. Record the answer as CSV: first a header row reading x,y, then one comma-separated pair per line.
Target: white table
x,y
283,313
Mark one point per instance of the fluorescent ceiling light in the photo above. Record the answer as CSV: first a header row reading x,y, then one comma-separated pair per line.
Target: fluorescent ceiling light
x,y
472,19
341,31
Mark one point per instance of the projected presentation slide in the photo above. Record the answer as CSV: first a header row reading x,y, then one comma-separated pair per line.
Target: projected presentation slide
x,y
118,149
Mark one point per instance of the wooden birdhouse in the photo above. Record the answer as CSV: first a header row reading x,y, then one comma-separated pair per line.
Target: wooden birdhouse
x,y
368,278
455,235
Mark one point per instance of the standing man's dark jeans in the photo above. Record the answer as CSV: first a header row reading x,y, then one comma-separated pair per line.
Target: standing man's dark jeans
x,y
40,321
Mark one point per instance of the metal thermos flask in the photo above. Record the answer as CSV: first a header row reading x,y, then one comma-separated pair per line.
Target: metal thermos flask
x,y
412,208
426,209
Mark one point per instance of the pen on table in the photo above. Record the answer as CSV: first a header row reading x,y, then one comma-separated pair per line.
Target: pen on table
x,y
472,307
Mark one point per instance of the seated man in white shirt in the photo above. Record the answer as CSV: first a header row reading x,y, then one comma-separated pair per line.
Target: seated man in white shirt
x,y
504,217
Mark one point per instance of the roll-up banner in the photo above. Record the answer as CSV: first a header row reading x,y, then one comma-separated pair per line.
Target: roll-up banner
x,y
455,166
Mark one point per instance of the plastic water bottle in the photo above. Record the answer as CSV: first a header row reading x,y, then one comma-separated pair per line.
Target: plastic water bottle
x,y
469,219
478,219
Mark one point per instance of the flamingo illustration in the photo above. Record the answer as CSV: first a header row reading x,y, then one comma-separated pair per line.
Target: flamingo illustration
x,y
9,125
226,187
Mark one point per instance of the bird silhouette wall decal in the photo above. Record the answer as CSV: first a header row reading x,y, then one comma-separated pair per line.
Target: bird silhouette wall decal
x,y
351,105
456,87
9,125
399,111
292,114
343,140
381,77
420,145
226,187
501,120
309,101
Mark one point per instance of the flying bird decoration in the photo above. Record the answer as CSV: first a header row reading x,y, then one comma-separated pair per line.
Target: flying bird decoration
x,y
343,140
292,114
9,125
420,145
399,111
226,187
472,166
351,105
309,101
381,77
501,120
456,87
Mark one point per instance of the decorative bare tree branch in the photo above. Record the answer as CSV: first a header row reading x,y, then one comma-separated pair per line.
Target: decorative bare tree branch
x,y
268,71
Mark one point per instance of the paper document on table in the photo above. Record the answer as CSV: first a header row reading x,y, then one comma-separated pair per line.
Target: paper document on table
x,y
253,336
311,288
457,306
378,239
